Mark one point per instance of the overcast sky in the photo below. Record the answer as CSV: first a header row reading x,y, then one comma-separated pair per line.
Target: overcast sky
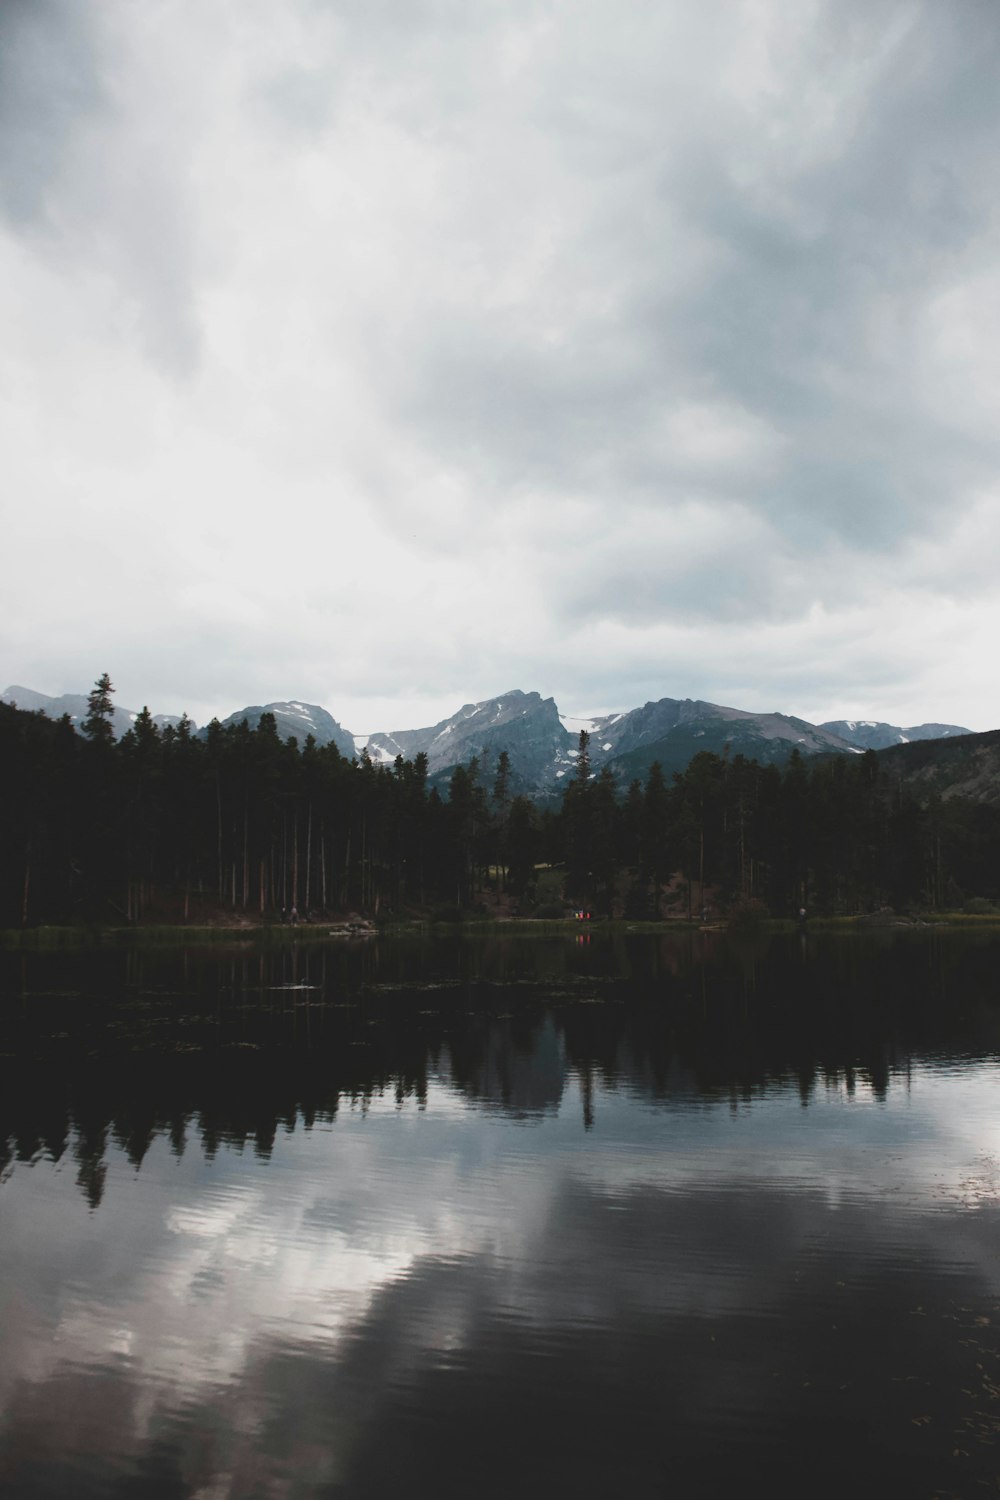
x,y
391,354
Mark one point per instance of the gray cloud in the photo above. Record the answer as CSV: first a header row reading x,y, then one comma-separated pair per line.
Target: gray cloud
x,y
49,81
95,194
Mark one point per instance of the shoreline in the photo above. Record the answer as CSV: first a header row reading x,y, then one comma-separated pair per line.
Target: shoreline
x,y
225,932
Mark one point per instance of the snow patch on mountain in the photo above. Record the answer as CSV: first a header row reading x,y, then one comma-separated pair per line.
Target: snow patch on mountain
x,y
380,755
574,725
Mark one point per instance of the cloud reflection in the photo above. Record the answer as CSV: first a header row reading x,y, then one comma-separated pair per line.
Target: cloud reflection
x,y
325,1319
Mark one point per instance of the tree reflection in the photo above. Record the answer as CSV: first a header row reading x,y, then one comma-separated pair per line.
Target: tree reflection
x,y
214,1047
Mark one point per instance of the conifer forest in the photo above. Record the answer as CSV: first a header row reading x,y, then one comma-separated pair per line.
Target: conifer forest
x,y
163,825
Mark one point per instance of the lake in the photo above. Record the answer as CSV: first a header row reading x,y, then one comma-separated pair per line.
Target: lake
x,y
494,1216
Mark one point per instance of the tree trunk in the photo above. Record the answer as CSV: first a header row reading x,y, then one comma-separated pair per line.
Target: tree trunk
x,y
295,861
246,850
309,834
218,814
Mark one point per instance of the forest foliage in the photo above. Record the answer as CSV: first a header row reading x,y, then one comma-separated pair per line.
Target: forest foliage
x,y
165,825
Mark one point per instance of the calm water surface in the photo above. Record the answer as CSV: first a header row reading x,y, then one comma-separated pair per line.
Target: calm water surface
x,y
524,1216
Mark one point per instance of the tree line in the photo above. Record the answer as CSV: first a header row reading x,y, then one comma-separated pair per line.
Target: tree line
x,y
164,825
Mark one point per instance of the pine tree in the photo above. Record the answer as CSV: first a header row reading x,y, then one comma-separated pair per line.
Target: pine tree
x,y
578,825
98,725
145,731
583,758
501,816
501,785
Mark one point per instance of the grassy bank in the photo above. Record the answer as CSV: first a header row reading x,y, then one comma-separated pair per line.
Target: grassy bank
x,y
278,933
156,935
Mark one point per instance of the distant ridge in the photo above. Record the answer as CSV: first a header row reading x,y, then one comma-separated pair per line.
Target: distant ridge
x,y
75,705
966,766
296,720
868,734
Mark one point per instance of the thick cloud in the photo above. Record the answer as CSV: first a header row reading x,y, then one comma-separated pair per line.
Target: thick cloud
x,y
49,84
391,354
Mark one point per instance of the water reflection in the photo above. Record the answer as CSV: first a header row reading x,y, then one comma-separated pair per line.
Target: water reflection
x,y
532,1217
234,1047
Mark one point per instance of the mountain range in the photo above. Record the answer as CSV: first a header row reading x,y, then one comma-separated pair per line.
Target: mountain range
x,y
543,744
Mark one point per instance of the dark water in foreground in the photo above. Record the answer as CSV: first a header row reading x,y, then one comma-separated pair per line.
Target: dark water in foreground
x,y
502,1217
